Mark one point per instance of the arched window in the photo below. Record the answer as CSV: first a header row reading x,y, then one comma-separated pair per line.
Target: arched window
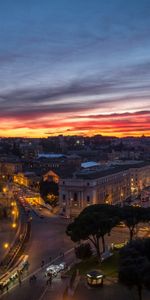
x,y
75,198
88,199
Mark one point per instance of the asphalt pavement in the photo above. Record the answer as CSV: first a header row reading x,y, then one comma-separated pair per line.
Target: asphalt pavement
x,y
47,241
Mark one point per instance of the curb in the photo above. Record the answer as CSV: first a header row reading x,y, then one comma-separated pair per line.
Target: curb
x,y
21,237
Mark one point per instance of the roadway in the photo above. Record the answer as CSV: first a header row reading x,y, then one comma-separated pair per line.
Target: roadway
x,y
47,241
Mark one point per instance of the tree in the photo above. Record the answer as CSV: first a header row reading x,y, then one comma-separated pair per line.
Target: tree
x,y
135,266
93,224
132,216
48,188
83,251
130,274
109,215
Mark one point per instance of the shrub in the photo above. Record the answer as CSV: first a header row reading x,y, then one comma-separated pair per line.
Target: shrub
x,y
83,251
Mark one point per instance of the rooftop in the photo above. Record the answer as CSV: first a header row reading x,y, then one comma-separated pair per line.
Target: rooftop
x,y
50,155
107,170
90,164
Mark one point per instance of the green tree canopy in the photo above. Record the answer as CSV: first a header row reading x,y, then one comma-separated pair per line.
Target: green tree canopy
x,y
95,221
132,216
135,265
93,224
47,187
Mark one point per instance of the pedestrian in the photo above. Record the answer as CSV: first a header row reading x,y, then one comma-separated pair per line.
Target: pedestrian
x,y
1,288
50,281
50,258
50,277
30,279
42,263
7,288
34,278
62,254
20,282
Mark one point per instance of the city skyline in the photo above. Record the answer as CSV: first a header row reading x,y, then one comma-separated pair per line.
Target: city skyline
x,y
74,68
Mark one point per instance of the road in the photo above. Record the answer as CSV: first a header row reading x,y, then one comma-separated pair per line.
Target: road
x,y
7,235
48,240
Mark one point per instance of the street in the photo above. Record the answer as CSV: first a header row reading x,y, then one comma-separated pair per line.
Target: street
x,y
46,244
47,241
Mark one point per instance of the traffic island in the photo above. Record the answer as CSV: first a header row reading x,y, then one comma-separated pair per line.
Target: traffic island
x,y
90,273
109,266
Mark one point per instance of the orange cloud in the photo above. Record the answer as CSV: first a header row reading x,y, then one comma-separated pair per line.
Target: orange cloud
x,y
120,125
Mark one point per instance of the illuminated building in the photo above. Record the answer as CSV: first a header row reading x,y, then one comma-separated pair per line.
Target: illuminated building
x,y
9,167
28,179
110,184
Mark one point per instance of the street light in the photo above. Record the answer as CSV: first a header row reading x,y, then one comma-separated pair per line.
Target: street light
x,y
4,190
6,245
14,225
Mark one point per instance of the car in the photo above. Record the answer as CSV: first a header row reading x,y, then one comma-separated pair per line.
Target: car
x,y
119,246
55,269
39,208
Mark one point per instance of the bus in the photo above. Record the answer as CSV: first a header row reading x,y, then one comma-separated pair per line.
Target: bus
x,y
10,277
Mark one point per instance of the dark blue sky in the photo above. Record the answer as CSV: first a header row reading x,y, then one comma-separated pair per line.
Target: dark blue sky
x,y
72,57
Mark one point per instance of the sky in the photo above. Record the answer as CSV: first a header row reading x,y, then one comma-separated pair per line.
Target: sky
x,y
74,67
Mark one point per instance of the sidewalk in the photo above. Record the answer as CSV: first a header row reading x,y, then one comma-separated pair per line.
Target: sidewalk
x,y
110,291
56,290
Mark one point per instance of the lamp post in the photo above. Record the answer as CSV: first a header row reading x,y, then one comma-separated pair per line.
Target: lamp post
x,y
71,200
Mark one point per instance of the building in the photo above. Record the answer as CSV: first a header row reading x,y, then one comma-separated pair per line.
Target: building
x,y
34,199
28,179
51,176
8,167
145,195
112,184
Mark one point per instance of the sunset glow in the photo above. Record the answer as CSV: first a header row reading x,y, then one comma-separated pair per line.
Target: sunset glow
x,y
67,69
125,124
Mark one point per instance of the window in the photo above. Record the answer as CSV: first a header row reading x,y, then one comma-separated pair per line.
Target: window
x,y
75,197
88,199
64,197
88,184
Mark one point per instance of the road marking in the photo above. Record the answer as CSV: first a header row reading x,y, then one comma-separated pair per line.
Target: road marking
x,y
43,294
36,271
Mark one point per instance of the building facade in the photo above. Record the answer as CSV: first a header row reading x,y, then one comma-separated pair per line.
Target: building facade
x,y
8,168
112,186
28,179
